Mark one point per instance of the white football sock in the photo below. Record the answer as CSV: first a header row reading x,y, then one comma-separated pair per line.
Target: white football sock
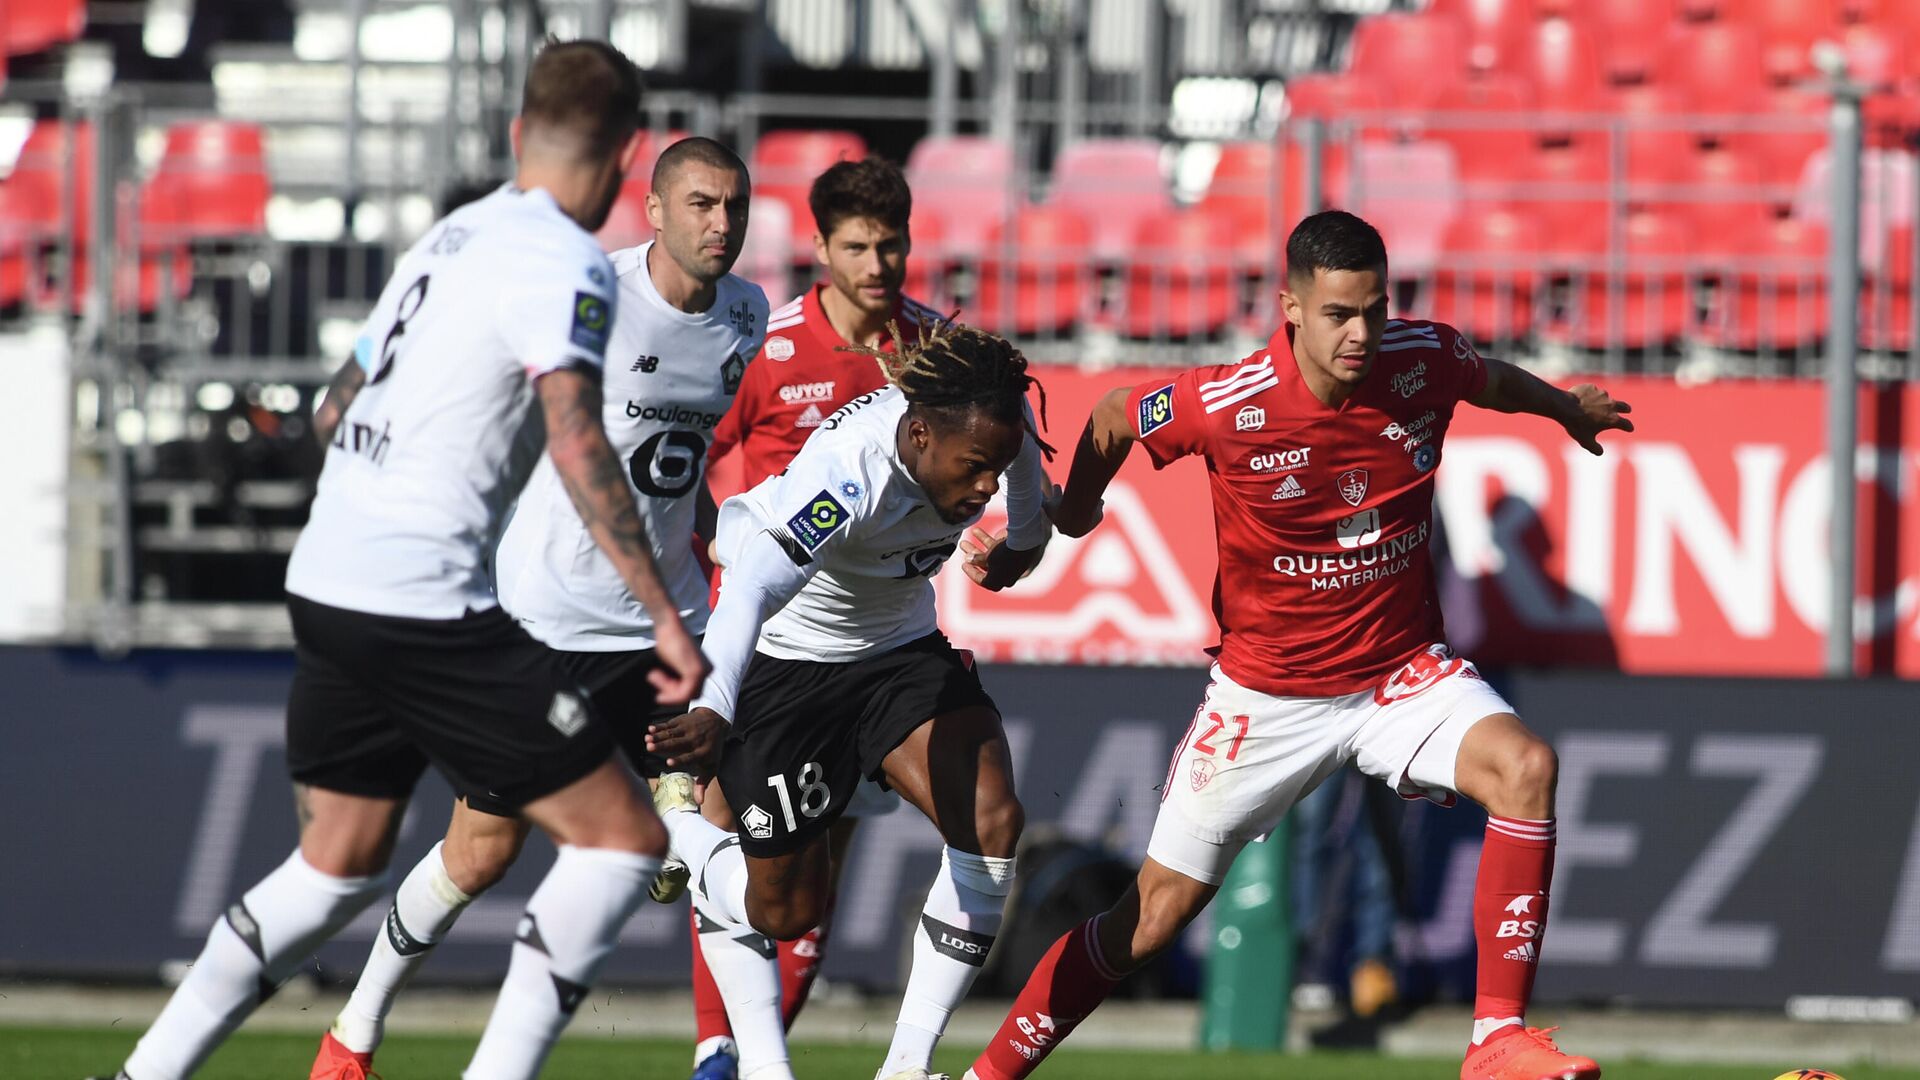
x,y
1486,1026
572,922
261,941
424,909
716,867
746,969
956,929
718,1044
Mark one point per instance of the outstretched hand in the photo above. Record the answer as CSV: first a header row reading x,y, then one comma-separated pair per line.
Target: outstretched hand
x,y
1597,412
690,742
991,563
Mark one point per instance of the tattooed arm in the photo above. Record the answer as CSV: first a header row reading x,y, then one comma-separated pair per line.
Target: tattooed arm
x,y
340,394
598,487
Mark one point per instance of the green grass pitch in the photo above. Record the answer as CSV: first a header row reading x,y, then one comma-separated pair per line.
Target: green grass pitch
x,y
73,1053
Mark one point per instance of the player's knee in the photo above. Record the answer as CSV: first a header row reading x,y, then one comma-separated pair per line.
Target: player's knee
x,y
1533,771
477,864
1163,918
999,825
788,918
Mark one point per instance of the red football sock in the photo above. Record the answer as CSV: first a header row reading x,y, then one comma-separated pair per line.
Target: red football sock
x,y
799,965
1068,983
709,1009
1510,913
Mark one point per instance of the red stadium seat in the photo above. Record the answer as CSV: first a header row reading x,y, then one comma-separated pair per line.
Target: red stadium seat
x,y
211,181
1115,184
1719,192
1784,150
53,154
36,25
1494,29
1177,285
1654,126
1773,292
766,255
1411,58
1719,65
1631,34
1409,192
1886,198
968,182
785,164
1571,188
1788,29
1492,140
1036,277
927,261
1242,192
1654,304
1486,279
1563,63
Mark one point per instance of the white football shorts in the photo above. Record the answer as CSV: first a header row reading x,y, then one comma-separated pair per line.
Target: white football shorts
x,y
1249,757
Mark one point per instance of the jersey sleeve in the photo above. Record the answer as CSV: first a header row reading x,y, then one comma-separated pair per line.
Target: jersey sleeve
x,y
557,311
1167,417
1468,371
1027,524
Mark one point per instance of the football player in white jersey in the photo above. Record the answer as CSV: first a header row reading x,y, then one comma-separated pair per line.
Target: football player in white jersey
x,y
680,343
491,334
831,667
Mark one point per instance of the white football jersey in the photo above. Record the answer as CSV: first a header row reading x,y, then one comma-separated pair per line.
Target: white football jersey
x,y
671,375
853,546
436,445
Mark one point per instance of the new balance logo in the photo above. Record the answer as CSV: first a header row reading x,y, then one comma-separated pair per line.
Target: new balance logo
x,y
647,364
1526,953
1290,488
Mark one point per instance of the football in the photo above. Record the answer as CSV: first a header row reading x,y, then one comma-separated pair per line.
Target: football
x,y
1808,1074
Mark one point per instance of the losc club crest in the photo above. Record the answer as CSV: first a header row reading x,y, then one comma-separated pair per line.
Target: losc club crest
x,y
1203,770
1353,486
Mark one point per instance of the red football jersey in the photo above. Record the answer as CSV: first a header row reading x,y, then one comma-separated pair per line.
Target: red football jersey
x,y
799,379
1323,515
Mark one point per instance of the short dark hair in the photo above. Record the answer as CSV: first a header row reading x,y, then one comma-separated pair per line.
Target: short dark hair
x,y
588,90
697,148
1333,240
950,370
873,188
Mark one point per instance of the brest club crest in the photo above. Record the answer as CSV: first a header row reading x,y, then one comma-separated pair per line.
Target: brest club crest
x,y
1353,486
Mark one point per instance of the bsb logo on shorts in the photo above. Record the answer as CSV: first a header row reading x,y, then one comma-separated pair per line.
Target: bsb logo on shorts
x,y
759,823
1156,410
567,714
822,516
590,318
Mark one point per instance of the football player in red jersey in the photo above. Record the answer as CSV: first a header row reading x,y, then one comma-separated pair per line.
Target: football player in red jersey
x,y
1321,450
800,377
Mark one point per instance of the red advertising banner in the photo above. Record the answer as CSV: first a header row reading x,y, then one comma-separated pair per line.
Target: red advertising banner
x,y
1697,545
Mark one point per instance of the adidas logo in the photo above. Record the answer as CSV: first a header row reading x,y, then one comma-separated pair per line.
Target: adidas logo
x,y
1525,952
809,418
1290,488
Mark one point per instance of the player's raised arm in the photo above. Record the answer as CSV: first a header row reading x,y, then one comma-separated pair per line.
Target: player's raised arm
x,y
1585,411
1103,448
594,480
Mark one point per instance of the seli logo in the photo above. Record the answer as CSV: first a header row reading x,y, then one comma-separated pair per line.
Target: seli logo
x,y
1251,418
780,349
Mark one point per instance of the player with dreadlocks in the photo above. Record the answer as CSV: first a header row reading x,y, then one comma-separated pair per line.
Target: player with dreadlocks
x,y
829,666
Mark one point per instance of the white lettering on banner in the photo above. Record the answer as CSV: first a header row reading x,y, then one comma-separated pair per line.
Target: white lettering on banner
x,y
1107,562
1584,758
1678,934
1675,506
1804,516
240,736
1902,950
1592,492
